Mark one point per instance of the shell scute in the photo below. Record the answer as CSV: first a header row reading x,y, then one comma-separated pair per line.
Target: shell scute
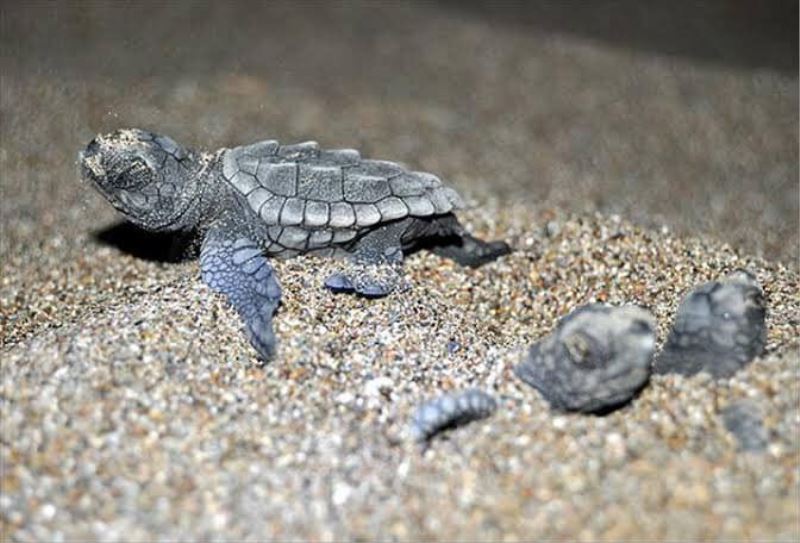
x,y
363,188
247,164
320,238
299,151
260,149
258,198
366,214
270,212
342,215
317,213
392,208
246,183
339,157
279,178
441,201
292,212
293,237
320,182
404,186
380,168
419,206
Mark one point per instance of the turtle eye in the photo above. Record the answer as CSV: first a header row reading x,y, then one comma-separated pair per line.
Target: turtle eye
x,y
136,173
139,165
579,346
640,327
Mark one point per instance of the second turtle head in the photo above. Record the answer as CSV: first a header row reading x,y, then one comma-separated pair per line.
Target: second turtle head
x,y
149,178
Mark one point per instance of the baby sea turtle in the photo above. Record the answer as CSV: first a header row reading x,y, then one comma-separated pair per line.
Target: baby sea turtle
x,y
719,328
597,358
449,411
745,420
270,200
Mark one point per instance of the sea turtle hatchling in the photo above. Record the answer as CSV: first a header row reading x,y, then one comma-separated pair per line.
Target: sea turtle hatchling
x,y
270,200
596,359
719,328
449,411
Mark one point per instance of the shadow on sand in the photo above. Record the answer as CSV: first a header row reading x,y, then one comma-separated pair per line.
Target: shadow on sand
x,y
155,247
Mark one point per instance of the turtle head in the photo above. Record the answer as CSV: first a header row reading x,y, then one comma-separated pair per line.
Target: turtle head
x,y
596,334
150,179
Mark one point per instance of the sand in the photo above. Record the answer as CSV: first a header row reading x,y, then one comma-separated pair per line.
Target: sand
x,y
132,406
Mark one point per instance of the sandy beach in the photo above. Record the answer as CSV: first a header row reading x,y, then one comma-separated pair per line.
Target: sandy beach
x,y
133,408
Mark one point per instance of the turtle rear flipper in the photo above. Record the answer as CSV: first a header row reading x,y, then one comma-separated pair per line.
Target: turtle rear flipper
x,y
468,250
234,265
446,237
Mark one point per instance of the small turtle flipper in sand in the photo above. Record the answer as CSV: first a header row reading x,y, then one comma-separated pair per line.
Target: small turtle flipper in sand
x,y
375,263
271,200
596,360
450,410
234,265
719,328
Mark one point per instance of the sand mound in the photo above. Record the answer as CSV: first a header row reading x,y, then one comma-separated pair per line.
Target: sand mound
x,y
144,414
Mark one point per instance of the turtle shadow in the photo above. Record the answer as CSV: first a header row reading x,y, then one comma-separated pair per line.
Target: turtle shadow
x,y
166,247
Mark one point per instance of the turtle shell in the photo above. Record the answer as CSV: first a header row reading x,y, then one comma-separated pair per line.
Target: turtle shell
x,y
305,186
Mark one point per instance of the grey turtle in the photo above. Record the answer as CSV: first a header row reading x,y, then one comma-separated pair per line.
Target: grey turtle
x,y
270,200
449,411
596,360
745,420
719,328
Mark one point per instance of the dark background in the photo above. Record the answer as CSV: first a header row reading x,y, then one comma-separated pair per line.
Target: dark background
x,y
681,113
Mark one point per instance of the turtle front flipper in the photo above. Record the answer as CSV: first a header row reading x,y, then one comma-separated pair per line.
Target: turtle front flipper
x,y
375,268
369,273
234,265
